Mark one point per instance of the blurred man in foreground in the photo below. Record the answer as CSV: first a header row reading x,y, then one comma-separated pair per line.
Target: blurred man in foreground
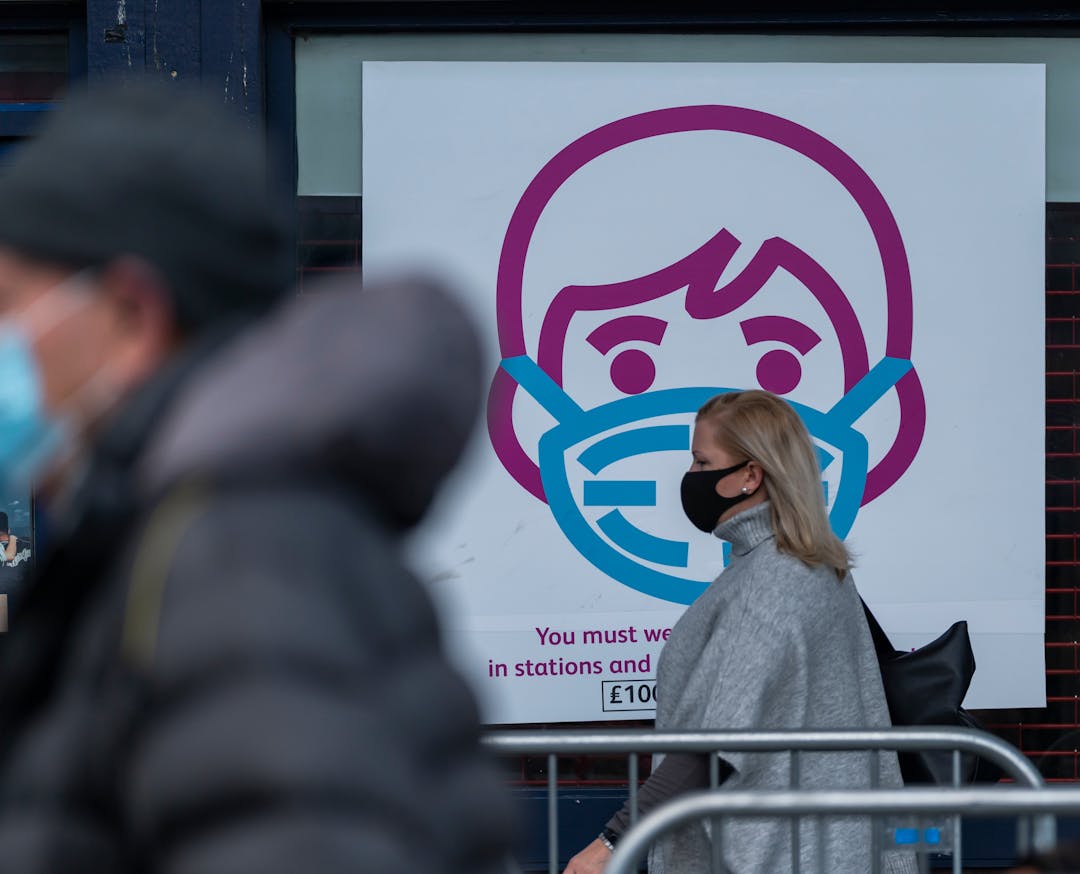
x,y
221,665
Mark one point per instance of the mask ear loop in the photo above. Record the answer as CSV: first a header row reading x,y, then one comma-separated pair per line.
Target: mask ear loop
x,y
58,447
92,396
78,282
728,471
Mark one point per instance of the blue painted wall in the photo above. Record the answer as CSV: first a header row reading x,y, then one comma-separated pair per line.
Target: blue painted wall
x,y
217,43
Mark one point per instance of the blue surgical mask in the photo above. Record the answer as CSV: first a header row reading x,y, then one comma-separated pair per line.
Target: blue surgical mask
x,y
29,436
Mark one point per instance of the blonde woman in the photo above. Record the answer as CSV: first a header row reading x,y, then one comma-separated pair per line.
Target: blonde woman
x,y
778,641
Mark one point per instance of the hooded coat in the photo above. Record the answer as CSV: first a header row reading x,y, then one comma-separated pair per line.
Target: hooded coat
x,y
223,665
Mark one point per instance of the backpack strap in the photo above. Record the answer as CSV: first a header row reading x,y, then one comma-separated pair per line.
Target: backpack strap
x,y
158,545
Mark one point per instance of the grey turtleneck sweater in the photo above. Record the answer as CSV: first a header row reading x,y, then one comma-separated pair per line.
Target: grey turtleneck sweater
x,y
771,644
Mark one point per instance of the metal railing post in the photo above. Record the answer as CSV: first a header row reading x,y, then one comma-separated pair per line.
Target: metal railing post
x,y
795,778
553,813
957,863
875,826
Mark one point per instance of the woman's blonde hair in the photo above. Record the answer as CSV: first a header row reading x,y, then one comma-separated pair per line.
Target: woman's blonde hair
x,y
759,426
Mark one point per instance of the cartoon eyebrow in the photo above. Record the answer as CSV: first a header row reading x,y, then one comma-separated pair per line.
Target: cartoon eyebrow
x,y
626,328
708,302
789,331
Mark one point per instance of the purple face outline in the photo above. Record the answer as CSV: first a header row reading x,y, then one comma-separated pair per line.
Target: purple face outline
x,y
699,273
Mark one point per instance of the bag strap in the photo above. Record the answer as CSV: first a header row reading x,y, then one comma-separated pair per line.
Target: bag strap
x,y
882,644
157,547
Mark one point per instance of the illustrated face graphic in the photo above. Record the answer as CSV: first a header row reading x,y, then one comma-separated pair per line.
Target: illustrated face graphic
x,y
608,462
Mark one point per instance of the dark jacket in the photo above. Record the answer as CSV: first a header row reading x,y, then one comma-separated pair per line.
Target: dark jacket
x,y
224,666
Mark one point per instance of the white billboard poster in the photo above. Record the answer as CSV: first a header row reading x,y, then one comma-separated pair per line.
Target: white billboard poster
x,y
864,240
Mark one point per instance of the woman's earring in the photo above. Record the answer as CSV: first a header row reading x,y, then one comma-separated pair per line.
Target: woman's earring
x,y
744,490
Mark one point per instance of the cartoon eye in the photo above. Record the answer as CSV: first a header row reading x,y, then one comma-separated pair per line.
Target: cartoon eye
x,y
779,371
632,371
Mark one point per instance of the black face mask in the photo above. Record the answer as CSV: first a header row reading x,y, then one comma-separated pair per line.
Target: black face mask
x,y
701,502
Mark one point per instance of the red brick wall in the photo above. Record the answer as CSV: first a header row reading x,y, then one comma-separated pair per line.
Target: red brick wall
x,y
1051,735
329,230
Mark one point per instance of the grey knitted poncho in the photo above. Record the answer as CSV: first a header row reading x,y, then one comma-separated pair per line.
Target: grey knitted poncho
x,y
775,644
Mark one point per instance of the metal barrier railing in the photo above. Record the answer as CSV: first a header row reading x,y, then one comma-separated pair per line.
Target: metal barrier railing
x,y
934,800
634,743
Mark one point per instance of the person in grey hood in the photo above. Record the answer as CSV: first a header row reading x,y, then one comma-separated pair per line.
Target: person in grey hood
x,y
778,641
221,665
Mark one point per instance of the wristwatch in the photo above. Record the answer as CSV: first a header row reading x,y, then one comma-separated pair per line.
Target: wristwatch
x,y
609,838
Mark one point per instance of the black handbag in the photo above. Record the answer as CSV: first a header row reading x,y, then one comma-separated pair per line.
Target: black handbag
x,y
925,687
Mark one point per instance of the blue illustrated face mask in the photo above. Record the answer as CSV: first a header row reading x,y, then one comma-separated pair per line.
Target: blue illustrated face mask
x,y
29,437
592,443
